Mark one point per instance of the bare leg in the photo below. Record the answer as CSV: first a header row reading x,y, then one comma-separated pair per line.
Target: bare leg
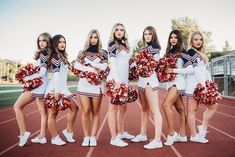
x,y
24,99
43,112
170,99
52,113
191,116
96,103
72,115
152,99
86,111
179,105
144,113
208,114
112,119
121,117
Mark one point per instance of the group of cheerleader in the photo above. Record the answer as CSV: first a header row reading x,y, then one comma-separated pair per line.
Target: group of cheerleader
x,y
51,56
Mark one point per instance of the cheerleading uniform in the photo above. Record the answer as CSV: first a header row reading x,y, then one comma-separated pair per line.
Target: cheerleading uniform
x,y
42,62
58,83
200,75
94,58
184,66
119,57
152,80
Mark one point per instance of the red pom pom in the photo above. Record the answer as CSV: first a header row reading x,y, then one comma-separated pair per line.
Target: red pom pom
x,y
207,95
92,78
162,65
61,104
145,63
132,95
133,71
117,92
28,70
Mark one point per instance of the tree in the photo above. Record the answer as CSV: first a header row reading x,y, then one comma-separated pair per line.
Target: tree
x,y
137,48
187,26
227,46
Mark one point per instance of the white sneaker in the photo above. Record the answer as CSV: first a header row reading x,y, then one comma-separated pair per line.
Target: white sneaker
x,y
139,138
118,142
57,141
153,144
41,140
170,139
179,138
69,136
24,138
202,132
86,141
125,135
198,138
93,142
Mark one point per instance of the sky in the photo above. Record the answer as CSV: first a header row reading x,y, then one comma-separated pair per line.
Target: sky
x,y
23,20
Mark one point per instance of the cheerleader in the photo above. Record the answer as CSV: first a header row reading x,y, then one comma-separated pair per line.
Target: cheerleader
x,y
176,87
42,56
91,95
119,54
148,93
58,84
201,74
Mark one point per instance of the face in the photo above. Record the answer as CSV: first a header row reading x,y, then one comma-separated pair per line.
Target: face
x,y
148,36
94,39
61,44
197,41
173,39
119,32
42,42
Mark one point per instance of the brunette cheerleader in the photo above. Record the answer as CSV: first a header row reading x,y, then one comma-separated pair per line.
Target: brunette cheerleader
x,y
176,87
57,86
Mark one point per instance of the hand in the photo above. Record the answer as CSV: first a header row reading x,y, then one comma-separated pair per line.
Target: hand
x,y
169,70
57,96
96,71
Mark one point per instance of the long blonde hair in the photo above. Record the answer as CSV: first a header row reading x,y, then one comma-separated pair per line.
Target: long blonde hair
x,y
88,40
125,37
201,50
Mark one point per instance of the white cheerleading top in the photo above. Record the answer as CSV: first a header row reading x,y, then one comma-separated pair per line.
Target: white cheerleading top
x,y
42,62
152,80
58,83
119,60
200,75
95,59
184,66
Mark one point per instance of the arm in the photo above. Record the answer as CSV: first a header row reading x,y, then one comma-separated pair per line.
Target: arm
x,y
42,72
113,69
101,66
81,67
43,69
188,70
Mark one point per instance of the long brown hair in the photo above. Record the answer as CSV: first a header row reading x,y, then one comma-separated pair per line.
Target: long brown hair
x,y
48,48
152,30
179,47
59,54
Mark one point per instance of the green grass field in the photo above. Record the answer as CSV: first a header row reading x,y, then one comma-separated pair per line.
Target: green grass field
x,y
8,99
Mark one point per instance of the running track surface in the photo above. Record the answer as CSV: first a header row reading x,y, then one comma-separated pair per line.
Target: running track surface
x,y
221,135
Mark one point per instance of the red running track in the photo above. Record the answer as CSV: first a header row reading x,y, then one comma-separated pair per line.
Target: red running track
x,y
221,135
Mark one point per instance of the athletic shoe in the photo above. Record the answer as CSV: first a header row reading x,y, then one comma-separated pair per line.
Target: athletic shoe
x,y
118,142
86,141
198,138
40,140
69,136
125,135
93,142
170,139
139,138
153,144
57,141
179,138
24,138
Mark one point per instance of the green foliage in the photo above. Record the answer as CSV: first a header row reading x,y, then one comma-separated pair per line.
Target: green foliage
x,y
138,47
71,77
187,26
227,46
